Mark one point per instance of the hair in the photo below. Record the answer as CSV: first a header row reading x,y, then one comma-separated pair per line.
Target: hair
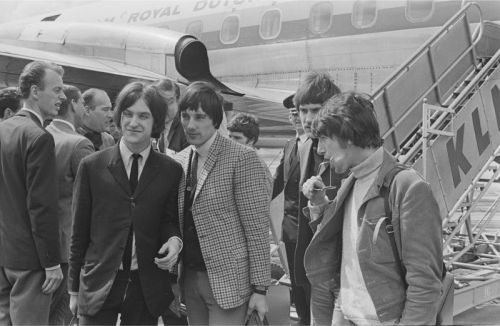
x,y
316,88
349,116
72,93
89,95
203,95
33,74
153,98
246,124
9,99
168,85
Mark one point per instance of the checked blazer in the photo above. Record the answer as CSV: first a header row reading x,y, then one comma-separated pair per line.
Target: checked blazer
x,y
231,214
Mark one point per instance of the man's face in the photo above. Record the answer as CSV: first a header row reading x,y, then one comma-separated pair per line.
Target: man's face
x,y
99,112
137,125
239,137
50,96
307,113
198,126
339,154
172,105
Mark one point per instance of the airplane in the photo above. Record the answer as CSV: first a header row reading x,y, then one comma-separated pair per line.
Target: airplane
x,y
255,51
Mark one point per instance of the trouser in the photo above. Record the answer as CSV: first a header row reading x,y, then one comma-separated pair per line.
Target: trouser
x,y
125,298
201,306
59,313
322,303
21,297
299,294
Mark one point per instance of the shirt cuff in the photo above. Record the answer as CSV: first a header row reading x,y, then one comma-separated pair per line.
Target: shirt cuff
x,y
52,268
73,293
180,241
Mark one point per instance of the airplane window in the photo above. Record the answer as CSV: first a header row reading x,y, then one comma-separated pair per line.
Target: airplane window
x,y
364,13
195,28
230,30
270,24
320,17
419,10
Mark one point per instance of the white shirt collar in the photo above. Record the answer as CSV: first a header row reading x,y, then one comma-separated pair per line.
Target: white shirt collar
x,y
203,149
126,153
65,122
33,112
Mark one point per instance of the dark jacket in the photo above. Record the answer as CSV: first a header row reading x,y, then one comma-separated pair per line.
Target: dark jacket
x,y
176,138
417,225
29,228
305,233
103,208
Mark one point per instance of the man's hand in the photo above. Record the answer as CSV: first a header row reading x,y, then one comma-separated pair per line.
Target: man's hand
x,y
314,190
258,302
53,279
172,248
73,300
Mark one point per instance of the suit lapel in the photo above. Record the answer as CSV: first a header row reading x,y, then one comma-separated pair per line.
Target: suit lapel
x,y
117,169
183,159
333,210
149,172
304,154
213,153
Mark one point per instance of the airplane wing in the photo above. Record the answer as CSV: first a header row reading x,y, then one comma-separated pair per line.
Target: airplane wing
x,y
80,71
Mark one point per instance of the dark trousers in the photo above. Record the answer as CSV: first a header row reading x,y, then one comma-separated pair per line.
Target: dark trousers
x,y
59,313
125,298
300,295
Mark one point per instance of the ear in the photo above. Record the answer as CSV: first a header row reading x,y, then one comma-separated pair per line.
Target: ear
x,y
34,91
86,109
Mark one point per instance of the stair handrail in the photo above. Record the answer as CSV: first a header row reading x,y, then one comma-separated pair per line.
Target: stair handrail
x,y
425,46
457,101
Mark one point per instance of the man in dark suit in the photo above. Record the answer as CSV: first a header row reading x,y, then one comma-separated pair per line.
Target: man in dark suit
x,y
172,139
286,179
29,236
314,91
125,214
71,148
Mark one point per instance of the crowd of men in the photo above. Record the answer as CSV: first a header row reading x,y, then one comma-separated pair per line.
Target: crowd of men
x,y
118,212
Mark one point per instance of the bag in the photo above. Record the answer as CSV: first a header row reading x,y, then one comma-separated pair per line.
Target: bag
x,y
445,303
254,319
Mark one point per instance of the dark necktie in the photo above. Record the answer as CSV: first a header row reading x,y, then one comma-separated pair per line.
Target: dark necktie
x,y
134,172
193,180
134,177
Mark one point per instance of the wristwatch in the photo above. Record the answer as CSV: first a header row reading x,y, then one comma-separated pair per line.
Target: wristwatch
x,y
260,289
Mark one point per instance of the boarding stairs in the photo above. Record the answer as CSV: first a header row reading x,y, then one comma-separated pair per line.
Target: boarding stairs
x,y
440,113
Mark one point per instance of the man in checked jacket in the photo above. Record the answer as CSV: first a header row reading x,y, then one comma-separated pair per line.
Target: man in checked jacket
x,y
224,200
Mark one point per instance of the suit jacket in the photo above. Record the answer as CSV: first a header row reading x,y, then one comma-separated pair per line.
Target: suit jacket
x,y
103,208
231,214
305,233
29,237
417,230
176,137
71,148
289,165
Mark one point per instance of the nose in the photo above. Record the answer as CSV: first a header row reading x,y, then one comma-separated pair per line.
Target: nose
x,y
62,97
321,148
310,117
